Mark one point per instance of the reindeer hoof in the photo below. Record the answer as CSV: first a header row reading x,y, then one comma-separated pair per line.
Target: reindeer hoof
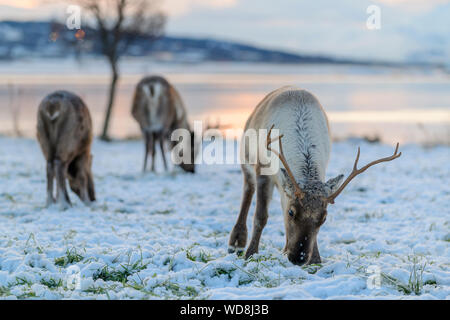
x,y
250,252
238,250
88,203
49,203
64,206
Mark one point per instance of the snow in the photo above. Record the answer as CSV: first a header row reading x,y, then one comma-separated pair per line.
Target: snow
x,y
164,235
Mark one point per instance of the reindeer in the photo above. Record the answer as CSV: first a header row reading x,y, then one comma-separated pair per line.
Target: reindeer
x,y
64,132
159,110
305,195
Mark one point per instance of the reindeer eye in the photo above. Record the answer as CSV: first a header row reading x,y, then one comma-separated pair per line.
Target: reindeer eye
x,y
291,212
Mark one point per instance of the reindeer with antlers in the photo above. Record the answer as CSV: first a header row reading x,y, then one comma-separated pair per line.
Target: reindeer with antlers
x,y
305,195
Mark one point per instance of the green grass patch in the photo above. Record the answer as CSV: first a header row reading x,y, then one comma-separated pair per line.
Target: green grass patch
x,y
178,291
430,282
20,281
312,268
9,197
166,211
202,256
415,282
96,290
27,295
52,283
221,271
72,256
245,281
4,291
119,274
124,210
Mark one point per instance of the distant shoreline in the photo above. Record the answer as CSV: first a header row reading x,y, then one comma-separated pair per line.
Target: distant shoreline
x,y
31,39
393,104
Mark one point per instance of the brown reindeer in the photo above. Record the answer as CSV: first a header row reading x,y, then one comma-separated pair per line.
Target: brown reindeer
x,y
64,131
159,110
305,195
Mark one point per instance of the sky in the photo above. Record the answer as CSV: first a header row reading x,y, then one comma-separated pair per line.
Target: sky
x,y
409,29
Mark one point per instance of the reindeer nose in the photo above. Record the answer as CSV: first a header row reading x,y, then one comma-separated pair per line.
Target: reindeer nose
x,y
298,259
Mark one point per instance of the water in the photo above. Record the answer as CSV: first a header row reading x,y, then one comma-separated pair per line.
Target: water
x,y
406,105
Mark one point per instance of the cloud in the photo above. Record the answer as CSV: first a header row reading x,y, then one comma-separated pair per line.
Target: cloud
x,y
41,9
27,4
325,27
183,7
414,5
408,27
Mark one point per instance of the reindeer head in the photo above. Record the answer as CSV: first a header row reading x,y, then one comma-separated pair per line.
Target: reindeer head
x,y
193,149
79,175
73,173
304,215
305,206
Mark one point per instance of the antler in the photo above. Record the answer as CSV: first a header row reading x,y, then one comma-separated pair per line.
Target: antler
x,y
298,192
357,171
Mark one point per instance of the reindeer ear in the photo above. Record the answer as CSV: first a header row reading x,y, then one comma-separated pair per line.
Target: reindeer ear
x,y
333,184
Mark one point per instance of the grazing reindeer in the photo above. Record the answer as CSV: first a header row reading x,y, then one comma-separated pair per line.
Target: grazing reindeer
x,y
64,131
304,193
159,110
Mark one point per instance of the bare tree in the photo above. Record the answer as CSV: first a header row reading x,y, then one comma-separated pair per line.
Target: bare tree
x,y
118,24
15,96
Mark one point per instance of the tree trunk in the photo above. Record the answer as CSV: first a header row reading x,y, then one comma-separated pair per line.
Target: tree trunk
x,y
112,94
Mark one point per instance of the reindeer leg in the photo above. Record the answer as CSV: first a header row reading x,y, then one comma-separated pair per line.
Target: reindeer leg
x,y
90,179
263,195
91,188
50,183
62,195
161,146
153,142
238,236
148,142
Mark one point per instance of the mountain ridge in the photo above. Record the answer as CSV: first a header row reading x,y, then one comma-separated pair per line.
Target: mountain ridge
x,y
21,39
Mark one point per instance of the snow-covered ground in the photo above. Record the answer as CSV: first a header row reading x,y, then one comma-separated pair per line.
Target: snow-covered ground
x,y
164,236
